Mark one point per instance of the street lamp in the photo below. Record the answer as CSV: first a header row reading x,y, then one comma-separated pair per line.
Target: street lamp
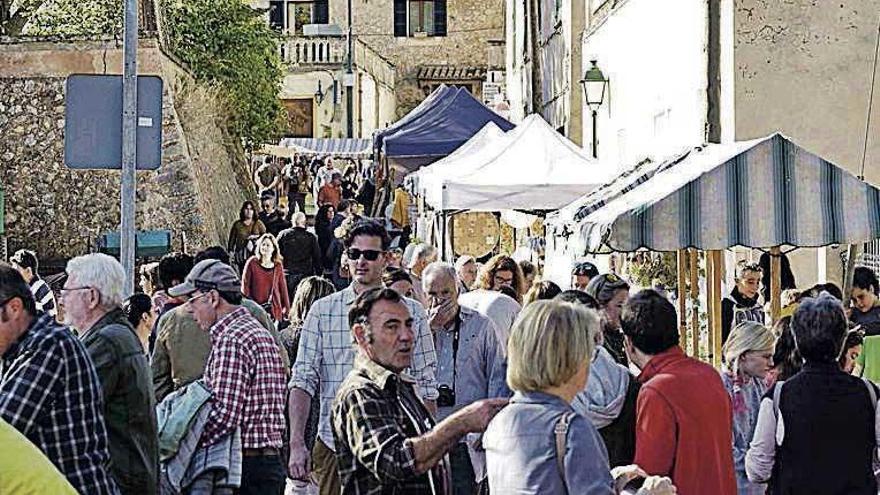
x,y
594,83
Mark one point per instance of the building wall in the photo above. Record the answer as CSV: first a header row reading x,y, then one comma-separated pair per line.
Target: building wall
x,y
196,192
656,99
804,68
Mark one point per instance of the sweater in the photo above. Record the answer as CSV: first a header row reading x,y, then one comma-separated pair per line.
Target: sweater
x,y
683,425
266,286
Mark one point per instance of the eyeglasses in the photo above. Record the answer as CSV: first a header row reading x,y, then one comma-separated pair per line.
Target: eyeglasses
x,y
71,289
194,298
354,254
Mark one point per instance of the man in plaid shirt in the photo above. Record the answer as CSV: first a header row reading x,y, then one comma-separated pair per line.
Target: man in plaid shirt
x,y
49,389
386,440
244,372
326,355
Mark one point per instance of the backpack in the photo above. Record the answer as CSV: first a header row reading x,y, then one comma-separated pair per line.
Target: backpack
x,y
560,431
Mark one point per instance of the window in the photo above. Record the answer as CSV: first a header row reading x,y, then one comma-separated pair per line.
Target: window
x,y
289,16
419,18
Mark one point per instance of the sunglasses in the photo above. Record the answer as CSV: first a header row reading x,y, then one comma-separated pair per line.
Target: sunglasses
x,y
354,254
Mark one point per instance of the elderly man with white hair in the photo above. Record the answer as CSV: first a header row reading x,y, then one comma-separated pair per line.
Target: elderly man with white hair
x,y
422,255
92,297
470,364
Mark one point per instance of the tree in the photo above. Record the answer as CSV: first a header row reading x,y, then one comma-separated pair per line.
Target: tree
x,y
62,18
227,43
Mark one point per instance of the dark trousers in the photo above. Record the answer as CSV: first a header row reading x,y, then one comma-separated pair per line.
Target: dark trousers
x,y
262,475
463,482
297,199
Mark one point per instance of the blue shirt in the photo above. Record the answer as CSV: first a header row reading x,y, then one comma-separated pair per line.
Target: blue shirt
x,y
479,371
521,450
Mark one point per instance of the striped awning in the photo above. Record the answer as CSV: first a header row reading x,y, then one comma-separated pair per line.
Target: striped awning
x,y
343,147
761,193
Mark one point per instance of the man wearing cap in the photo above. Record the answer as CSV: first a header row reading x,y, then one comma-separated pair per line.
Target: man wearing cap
x,y
581,275
26,263
611,292
244,372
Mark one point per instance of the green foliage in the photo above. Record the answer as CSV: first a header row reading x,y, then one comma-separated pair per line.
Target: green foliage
x,y
645,268
228,44
66,18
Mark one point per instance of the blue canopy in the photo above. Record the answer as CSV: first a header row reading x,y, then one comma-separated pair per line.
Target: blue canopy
x,y
439,94
450,119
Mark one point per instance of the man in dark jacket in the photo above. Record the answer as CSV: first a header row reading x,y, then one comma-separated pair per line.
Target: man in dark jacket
x,y
299,248
92,297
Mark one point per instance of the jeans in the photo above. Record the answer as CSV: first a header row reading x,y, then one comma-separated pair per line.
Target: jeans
x,y
262,475
296,200
463,482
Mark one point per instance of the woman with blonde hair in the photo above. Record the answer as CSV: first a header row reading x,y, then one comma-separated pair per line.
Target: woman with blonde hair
x,y
538,444
747,357
263,278
502,270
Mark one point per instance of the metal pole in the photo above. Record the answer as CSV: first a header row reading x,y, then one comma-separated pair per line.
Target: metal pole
x,y
129,144
595,137
349,97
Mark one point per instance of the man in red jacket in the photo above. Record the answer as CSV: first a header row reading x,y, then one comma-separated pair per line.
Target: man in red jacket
x,y
683,414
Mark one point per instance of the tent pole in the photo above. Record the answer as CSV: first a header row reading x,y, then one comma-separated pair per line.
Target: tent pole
x,y
443,237
693,274
775,283
682,298
714,273
851,252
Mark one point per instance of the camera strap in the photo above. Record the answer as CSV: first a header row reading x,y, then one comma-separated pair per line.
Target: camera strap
x,y
455,337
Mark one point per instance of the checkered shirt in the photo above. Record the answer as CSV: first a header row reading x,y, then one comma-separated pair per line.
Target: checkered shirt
x,y
51,393
326,354
247,378
375,416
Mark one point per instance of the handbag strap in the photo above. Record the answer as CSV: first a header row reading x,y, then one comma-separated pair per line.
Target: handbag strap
x,y
561,433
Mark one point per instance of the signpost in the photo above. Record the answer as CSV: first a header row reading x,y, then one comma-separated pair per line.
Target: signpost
x,y
114,122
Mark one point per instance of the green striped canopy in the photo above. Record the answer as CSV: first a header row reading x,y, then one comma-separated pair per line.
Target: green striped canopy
x,y
761,193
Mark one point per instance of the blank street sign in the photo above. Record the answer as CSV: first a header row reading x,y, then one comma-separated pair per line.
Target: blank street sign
x,y
93,122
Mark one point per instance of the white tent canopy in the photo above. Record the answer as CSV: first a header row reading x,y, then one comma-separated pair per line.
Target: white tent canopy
x,y
463,160
532,167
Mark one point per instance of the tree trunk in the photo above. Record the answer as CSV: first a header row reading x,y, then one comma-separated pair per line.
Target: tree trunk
x,y
535,42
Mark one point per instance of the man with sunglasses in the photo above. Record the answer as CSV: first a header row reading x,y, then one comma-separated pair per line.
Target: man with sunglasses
x,y
326,355
41,360
244,372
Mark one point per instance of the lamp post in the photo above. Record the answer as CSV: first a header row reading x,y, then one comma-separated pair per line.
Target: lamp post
x,y
594,83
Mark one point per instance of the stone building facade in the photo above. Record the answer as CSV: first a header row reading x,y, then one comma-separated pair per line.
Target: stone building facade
x,y
403,49
196,193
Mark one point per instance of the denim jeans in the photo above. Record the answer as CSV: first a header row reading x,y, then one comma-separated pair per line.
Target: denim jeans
x,y
262,475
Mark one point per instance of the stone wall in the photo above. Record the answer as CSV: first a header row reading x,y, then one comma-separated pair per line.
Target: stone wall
x,y
59,212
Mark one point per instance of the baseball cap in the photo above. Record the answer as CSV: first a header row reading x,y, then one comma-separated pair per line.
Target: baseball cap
x,y
463,260
208,275
585,268
602,287
25,259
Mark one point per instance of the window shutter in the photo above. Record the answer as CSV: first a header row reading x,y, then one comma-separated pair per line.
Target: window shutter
x,y
400,18
439,17
321,13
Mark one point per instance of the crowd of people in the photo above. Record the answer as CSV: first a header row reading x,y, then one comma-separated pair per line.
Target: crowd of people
x,y
328,360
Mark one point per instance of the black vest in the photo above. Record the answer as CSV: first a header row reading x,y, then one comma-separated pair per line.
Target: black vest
x,y
829,434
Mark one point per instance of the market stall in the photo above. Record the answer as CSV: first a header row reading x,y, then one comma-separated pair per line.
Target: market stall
x,y
765,193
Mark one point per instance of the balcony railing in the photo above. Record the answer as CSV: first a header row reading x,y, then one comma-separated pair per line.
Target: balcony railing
x,y
313,50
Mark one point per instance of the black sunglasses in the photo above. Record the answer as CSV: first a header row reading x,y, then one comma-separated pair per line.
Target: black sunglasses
x,y
354,254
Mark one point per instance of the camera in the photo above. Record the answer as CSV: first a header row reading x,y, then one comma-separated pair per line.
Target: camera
x,y
446,397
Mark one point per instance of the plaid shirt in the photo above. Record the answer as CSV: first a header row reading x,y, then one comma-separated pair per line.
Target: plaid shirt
x,y
50,392
247,378
326,353
374,416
